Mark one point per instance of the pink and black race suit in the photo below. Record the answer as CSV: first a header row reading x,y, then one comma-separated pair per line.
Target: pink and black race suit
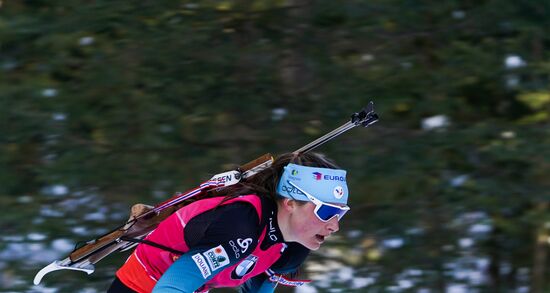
x,y
224,244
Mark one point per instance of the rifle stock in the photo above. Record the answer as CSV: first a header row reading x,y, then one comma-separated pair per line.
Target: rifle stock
x,y
95,245
263,159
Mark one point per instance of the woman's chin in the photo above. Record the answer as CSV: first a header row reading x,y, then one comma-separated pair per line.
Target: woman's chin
x,y
312,244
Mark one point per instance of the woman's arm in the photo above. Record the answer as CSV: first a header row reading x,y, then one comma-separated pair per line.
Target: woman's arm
x,y
194,269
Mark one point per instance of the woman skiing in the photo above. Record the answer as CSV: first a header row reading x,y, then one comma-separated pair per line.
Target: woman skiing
x,y
246,235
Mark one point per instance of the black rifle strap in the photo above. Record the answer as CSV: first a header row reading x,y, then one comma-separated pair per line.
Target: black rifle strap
x,y
151,243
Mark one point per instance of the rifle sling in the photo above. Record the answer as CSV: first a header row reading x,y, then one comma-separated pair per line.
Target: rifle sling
x,y
151,243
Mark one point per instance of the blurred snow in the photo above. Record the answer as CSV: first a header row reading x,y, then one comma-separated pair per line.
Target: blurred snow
x,y
42,289
459,180
358,283
12,238
326,266
513,61
86,41
393,242
415,231
47,211
405,284
435,122
456,288
278,114
49,92
36,236
482,264
367,57
345,274
63,245
508,134
413,272
24,199
80,230
354,233
30,252
56,190
95,216
59,116
480,228
465,242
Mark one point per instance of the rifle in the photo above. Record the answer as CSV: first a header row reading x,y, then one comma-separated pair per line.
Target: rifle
x,y
144,219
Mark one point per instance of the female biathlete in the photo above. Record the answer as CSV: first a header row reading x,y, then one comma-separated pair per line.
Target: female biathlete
x,y
246,236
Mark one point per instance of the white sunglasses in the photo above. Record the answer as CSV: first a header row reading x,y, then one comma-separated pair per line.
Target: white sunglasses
x,y
324,211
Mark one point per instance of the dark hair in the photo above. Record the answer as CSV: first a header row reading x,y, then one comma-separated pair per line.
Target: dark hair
x,y
264,183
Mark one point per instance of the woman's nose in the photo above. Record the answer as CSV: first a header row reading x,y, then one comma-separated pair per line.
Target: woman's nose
x,y
333,225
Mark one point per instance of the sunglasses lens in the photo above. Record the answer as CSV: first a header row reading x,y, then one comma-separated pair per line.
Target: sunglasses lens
x,y
326,212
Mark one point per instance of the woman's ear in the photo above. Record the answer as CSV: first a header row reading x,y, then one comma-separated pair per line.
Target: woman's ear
x,y
288,204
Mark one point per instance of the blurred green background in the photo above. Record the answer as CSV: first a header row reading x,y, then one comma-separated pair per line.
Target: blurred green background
x,y
107,103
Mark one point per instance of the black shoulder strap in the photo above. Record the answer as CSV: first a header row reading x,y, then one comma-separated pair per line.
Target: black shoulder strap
x,y
151,243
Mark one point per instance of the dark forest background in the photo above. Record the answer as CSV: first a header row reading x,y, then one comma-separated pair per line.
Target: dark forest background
x,y
135,100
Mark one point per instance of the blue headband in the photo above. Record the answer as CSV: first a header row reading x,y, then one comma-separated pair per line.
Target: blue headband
x,y
328,185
